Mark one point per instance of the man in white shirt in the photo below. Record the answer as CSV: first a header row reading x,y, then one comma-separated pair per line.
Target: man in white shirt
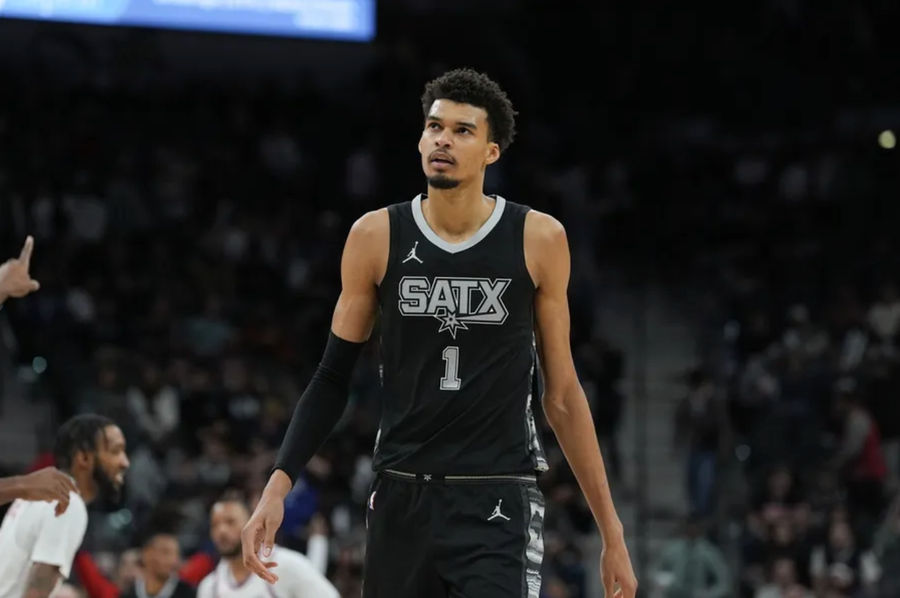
x,y
37,547
298,577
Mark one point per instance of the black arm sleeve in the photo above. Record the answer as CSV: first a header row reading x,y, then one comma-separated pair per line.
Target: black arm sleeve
x,y
320,407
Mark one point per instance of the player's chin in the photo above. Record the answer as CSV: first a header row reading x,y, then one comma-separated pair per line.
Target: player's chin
x,y
228,550
442,181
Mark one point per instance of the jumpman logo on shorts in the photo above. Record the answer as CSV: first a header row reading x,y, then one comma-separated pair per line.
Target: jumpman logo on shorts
x,y
497,512
412,254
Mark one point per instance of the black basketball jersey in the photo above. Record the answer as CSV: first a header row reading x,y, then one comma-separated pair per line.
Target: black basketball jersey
x,y
458,359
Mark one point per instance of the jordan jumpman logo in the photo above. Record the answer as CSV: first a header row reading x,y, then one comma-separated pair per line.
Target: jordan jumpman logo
x,y
412,254
497,512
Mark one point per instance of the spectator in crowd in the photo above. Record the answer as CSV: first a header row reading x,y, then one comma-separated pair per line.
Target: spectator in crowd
x,y
699,425
841,564
782,581
691,566
859,458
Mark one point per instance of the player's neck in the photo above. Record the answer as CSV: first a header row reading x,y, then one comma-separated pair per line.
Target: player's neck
x,y
87,488
238,571
154,584
456,214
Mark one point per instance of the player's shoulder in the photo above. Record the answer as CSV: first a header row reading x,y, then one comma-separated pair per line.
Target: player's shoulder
x,y
75,516
77,506
205,587
371,223
368,242
543,228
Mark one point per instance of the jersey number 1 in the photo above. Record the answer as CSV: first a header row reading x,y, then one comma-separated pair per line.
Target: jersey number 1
x,y
451,380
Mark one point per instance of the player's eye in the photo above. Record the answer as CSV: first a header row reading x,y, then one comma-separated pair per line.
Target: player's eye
x,y
434,126
463,131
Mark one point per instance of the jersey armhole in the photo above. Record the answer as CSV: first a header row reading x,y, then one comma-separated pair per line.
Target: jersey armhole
x,y
520,234
393,225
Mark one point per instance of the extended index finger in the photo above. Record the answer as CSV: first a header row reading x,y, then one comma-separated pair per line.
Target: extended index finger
x,y
25,255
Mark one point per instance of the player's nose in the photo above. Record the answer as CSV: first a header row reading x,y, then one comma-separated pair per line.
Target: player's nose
x,y
443,138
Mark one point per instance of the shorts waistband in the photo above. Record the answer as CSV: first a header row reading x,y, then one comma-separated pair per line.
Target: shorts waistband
x,y
434,478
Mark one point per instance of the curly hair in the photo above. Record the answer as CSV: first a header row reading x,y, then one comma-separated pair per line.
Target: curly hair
x,y
80,433
467,86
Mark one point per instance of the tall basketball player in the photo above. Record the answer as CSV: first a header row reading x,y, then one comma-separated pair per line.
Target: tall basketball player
x,y
472,295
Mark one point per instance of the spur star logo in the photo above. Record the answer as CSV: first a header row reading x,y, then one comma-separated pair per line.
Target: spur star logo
x,y
456,303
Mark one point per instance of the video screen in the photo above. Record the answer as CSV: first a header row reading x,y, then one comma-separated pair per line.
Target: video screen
x,y
345,20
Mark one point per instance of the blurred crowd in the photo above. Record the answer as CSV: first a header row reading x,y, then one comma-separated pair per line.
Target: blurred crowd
x,y
787,259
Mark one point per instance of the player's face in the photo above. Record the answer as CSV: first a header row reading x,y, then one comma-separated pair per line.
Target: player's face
x,y
454,145
110,463
225,524
161,557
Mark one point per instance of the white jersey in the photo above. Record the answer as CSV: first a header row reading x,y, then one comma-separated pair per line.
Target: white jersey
x,y
297,578
32,533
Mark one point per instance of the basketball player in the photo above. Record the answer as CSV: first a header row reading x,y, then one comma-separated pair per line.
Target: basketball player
x,y
38,547
231,579
463,282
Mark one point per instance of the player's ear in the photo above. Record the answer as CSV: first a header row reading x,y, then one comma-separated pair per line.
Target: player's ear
x,y
84,459
493,152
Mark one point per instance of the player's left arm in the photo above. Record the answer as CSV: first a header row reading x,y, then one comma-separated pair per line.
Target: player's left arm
x,y
41,580
564,401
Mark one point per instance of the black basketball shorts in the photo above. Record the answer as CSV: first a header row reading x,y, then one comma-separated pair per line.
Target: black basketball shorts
x,y
454,537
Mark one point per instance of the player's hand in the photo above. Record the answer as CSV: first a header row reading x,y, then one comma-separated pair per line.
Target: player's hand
x,y
615,569
259,536
48,484
14,278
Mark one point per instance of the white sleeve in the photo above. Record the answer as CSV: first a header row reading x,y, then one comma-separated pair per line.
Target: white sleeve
x,y
317,552
60,537
817,564
299,579
871,569
205,589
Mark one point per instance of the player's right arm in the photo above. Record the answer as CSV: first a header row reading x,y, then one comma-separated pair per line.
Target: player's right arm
x,y
363,265
41,580
48,483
